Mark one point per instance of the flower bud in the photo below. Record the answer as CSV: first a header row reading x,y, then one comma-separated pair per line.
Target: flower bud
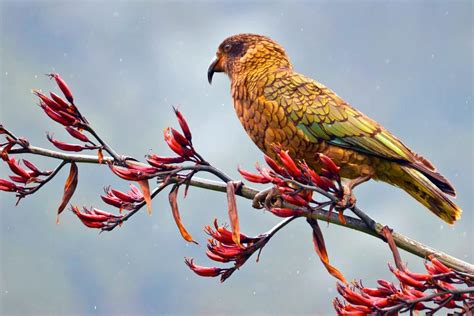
x,y
203,271
15,167
8,186
183,124
63,87
329,163
76,134
65,146
289,164
285,212
252,177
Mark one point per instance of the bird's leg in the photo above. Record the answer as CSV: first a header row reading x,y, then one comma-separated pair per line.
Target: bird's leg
x,y
348,199
267,198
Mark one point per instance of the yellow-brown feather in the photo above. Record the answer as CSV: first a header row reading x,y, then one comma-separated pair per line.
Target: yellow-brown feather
x,y
260,82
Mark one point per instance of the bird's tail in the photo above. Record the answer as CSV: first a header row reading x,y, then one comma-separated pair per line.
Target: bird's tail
x,y
427,193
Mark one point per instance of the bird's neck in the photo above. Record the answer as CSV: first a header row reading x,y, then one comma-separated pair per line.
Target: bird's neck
x,y
249,81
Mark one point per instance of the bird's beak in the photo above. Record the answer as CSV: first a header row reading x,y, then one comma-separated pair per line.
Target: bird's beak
x,y
215,66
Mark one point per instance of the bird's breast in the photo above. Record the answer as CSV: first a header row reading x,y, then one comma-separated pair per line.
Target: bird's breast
x,y
267,124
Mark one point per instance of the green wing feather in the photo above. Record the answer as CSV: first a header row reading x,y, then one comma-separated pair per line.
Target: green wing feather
x,y
322,115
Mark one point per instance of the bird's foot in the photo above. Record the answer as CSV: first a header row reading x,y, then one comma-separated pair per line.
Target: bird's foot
x,y
267,198
348,199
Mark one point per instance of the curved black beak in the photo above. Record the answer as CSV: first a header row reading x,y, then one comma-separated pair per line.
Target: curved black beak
x,y
212,69
215,66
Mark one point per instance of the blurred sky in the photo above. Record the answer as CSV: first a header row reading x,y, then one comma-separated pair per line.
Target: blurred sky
x,y
406,64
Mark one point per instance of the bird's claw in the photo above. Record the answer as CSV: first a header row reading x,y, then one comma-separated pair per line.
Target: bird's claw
x,y
267,198
348,199
238,185
122,160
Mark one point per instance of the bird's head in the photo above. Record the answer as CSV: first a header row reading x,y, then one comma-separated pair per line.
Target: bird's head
x,y
245,53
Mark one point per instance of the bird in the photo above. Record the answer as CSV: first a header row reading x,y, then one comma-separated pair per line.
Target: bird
x,y
277,105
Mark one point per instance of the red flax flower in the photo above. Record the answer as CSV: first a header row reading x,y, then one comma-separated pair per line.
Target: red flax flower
x,y
163,163
203,271
183,124
290,180
35,171
289,164
57,112
17,169
8,186
221,247
67,146
95,218
121,200
29,175
441,287
64,105
132,172
282,174
77,134
331,168
254,178
21,174
63,86
286,212
179,143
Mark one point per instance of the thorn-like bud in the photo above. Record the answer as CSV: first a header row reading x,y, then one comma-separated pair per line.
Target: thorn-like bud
x,y
63,87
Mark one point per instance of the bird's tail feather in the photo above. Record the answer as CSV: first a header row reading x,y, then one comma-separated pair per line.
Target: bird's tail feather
x,y
427,193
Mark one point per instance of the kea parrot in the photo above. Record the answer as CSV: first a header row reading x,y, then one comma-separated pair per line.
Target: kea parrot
x,y
279,106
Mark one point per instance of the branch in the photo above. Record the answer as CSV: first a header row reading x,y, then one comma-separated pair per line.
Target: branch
x,y
297,191
406,305
415,247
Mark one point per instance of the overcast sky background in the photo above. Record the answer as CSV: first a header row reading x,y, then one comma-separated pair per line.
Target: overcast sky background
x,y
406,64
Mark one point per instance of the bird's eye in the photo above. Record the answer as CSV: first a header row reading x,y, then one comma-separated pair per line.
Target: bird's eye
x,y
227,48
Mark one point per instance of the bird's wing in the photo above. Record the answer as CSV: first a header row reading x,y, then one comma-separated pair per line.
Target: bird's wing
x,y
322,115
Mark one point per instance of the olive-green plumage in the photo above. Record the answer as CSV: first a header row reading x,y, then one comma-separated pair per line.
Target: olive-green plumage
x,y
277,105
